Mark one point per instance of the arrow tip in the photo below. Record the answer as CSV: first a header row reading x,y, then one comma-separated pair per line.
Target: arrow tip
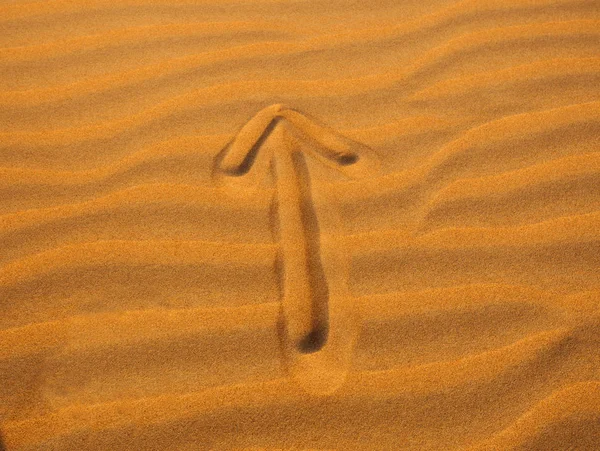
x,y
241,158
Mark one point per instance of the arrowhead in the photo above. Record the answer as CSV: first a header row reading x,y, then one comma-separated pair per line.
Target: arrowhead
x,y
246,160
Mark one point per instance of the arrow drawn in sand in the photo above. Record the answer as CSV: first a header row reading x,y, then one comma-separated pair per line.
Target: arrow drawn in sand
x,y
318,326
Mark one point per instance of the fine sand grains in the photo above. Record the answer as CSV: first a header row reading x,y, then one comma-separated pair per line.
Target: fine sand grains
x,y
291,224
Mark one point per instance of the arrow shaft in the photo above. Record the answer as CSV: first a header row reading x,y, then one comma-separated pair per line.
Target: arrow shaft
x,y
304,284
316,304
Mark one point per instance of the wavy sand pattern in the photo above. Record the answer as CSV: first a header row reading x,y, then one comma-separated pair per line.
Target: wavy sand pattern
x,y
278,224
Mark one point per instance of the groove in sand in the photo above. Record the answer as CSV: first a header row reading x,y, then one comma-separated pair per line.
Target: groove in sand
x,y
316,316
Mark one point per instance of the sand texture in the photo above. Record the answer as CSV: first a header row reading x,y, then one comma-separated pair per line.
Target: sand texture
x,y
299,224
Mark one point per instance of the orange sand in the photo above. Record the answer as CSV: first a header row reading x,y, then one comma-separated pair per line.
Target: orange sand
x,y
291,224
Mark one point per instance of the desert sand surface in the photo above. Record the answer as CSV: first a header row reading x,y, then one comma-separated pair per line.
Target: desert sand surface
x,y
294,224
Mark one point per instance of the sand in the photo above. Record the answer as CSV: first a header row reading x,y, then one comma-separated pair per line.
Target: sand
x,y
291,224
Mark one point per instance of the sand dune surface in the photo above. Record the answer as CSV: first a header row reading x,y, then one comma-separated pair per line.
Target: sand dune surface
x,y
291,224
